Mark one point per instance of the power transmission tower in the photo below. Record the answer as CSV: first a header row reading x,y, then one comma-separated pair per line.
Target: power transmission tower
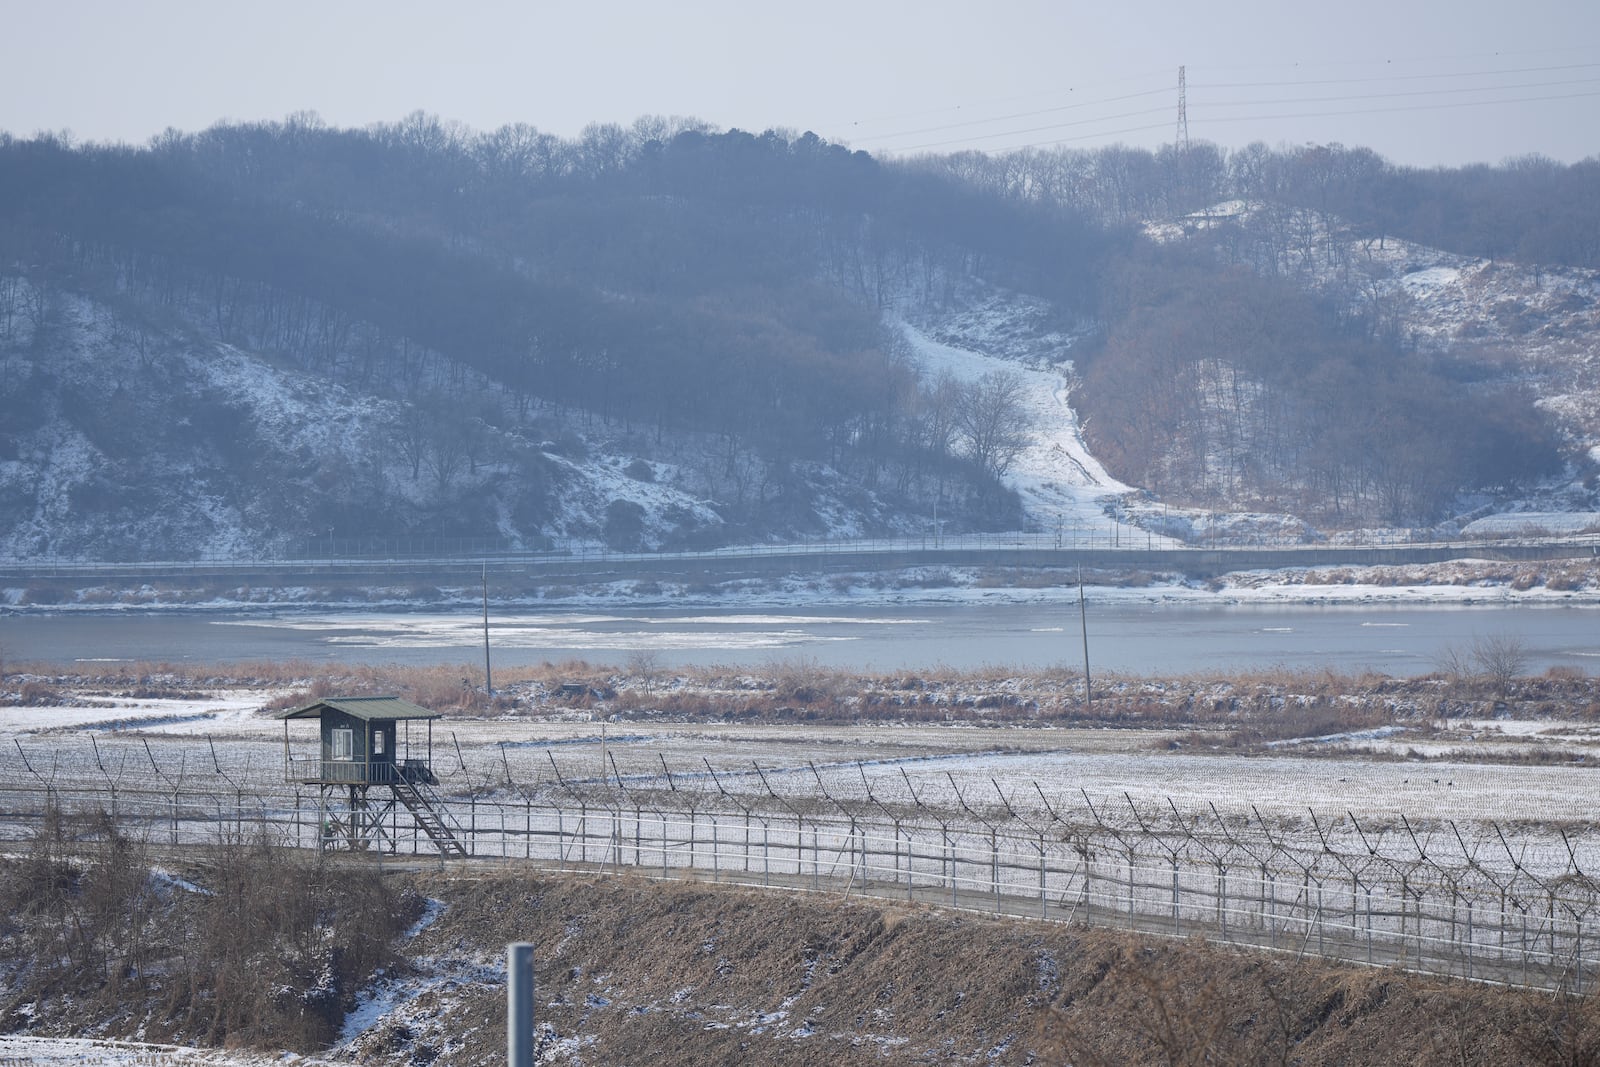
x,y
1182,144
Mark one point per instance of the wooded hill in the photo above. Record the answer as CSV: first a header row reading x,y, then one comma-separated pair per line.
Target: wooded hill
x,y
488,314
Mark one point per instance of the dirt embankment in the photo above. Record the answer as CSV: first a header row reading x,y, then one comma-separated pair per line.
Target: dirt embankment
x,y
633,972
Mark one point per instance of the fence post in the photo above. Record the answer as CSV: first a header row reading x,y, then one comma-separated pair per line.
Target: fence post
x,y
949,856
910,859
1272,931
1469,939
1130,889
1177,924
816,857
1088,891
994,867
1577,951
519,1004
1222,899
1044,899
1369,926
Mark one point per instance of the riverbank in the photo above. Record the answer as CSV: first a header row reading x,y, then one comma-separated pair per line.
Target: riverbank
x,y
1455,582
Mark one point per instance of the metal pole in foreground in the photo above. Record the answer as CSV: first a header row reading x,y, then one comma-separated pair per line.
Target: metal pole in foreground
x,y
519,1004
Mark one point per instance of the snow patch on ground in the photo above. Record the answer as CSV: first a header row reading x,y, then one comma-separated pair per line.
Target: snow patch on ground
x,y
82,1052
1534,524
229,711
1377,734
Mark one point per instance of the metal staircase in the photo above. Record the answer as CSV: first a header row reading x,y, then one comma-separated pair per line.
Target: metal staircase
x,y
430,813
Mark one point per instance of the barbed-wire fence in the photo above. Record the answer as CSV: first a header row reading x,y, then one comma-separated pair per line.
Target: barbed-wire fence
x,y
1517,904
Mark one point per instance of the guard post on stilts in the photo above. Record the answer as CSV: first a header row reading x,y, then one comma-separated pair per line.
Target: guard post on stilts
x,y
367,764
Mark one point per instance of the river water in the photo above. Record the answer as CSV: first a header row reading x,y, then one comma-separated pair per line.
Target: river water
x,y
1130,638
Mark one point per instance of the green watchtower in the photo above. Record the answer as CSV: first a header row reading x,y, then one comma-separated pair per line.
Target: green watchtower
x,y
366,743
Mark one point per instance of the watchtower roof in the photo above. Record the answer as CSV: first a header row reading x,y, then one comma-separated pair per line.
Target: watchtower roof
x,y
367,709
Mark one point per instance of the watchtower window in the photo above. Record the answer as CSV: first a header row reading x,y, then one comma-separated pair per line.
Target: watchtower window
x,y
344,743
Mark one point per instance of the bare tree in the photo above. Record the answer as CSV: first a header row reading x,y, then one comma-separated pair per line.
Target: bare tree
x,y
936,422
1501,659
409,435
993,422
1455,664
645,665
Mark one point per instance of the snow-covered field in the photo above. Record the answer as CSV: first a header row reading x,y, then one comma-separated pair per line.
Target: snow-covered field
x,y
969,771
90,1052
223,735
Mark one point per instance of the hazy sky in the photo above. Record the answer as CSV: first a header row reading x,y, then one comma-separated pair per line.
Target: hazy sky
x,y
1420,81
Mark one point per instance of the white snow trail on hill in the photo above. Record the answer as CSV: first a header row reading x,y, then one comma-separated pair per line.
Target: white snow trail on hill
x,y
1063,487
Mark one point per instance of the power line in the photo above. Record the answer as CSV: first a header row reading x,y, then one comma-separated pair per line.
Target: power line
x,y
977,140
1018,115
1404,60
1397,95
1403,107
1033,129
1258,118
903,116
1073,140
1401,77
1204,120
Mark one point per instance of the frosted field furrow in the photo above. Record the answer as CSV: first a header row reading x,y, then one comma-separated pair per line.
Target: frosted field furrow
x,y
220,734
1471,869
215,746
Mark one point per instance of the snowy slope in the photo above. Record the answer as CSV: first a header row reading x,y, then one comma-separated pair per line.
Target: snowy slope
x,y
1060,483
1527,323
1064,489
174,446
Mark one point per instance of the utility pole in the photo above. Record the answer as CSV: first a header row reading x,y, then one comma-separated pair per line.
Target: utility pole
x,y
1083,621
488,679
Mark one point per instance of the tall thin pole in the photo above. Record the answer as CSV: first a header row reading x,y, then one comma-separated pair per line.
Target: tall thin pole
x,y
1083,621
488,679
519,1004
1182,142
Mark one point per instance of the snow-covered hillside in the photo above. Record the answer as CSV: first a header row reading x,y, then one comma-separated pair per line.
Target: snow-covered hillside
x,y
1494,320
122,439
1062,486
125,441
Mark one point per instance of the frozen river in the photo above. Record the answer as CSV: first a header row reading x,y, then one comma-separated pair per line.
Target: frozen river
x,y
1142,638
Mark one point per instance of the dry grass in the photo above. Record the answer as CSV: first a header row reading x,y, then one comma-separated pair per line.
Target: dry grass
x,y
255,945
1238,711
676,974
